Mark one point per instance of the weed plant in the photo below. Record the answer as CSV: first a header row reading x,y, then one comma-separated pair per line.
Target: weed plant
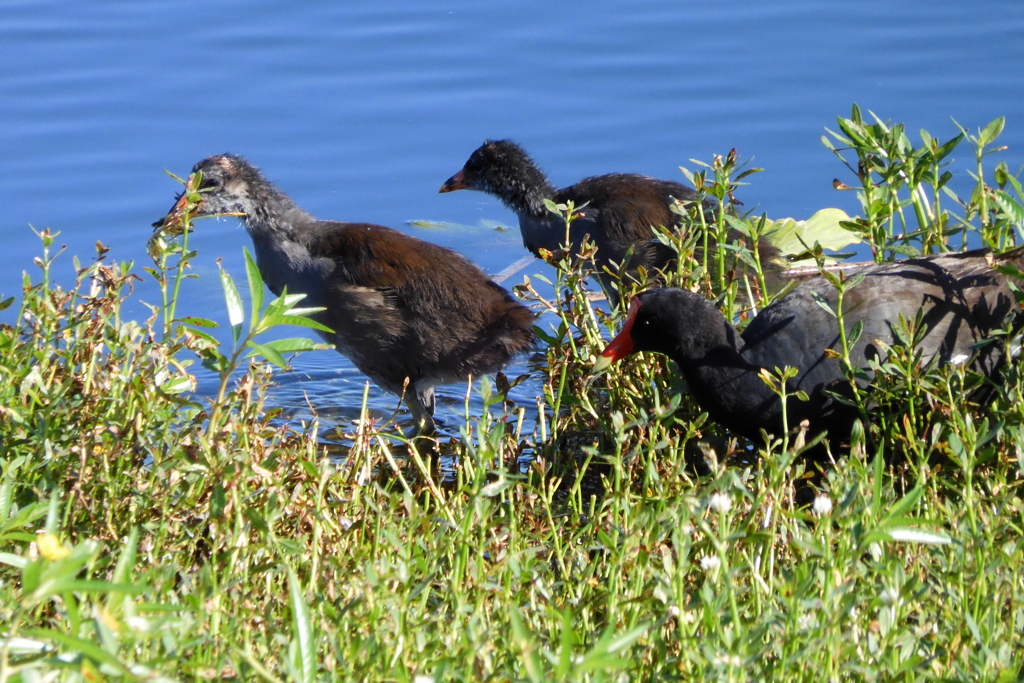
x,y
150,534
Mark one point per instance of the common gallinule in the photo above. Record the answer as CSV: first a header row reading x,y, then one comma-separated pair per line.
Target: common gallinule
x,y
401,308
619,210
962,298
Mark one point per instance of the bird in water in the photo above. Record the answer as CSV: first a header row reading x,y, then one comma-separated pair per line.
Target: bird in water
x,y
961,300
409,314
618,212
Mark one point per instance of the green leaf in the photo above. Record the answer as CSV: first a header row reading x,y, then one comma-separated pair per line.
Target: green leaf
x,y
602,657
825,305
216,363
53,514
81,646
210,339
911,535
177,385
285,319
282,304
288,301
31,576
749,172
6,494
297,345
257,521
522,639
123,568
793,237
843,140
854,334
305,312
266,351
236,316
624,640
252,271
13,560
58,576
24,646
496,487
992,131
303,628
947,148
195,322
95,586
902,507
1009,206
218,501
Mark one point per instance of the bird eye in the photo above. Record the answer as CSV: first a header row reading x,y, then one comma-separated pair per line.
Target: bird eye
x,y
210,184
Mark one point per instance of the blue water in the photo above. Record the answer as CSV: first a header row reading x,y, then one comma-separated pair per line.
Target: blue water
x,y
361,110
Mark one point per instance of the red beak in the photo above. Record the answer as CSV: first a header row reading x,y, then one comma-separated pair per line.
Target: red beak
x,y
622,345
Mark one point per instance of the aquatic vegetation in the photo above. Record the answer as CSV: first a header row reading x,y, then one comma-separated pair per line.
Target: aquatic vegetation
x,y
147,532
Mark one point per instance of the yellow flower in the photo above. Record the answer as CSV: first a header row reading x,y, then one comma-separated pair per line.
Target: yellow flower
x,y
51,548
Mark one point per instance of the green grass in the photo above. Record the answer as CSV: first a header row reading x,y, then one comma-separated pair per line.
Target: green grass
x,y
146,534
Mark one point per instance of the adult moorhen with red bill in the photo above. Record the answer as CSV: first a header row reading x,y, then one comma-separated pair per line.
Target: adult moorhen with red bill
x,y
618,211
962,299
401,309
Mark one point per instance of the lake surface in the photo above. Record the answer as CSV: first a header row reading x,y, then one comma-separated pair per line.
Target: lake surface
x,y
361,110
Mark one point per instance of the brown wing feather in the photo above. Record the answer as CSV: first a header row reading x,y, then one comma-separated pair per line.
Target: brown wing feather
x,y
629,204
420,289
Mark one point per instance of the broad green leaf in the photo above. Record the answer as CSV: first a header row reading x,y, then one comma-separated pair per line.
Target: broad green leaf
x,y
305,312
286,319
992,131
289,300
297,345
22,519
902,507
177,385
236,316
31,576
947,148
218,501
825,305
272,355
217,364
496,487
794,238
283,304
204,336
195,322
1010,206
252,271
